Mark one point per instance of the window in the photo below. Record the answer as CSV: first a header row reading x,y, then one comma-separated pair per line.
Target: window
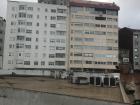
x,y
52,40
10,54
53,18
19,54
21,30
44,40
29,16
35,62
60,55
30,8
37,16
77,62
21,38
45,32
28,31
36,47
28,46
112,12
115,63
52,47
103,26
61,32
51,63
11,38
89,39
13,8
52,32
19,61
136,63
88,55
43,55
97,25
135,35
26,62
28,39
37,24
53,25
61,10
109,63
46,17
51,55
19,45
22,7
100,18
9,61
29,23
1,40
88,62
136,56
36,39
46,10
27,54
61,17
53,10
77,54
60,48
13,23
38,9
135,49
42,63
10,45
21,22
45,24
60,40
37,32
100,33
60,63
36,55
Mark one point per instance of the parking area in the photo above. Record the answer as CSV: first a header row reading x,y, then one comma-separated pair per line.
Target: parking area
x,y
45,84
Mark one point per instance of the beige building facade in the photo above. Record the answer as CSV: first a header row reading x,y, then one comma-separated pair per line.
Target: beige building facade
x,y
93,36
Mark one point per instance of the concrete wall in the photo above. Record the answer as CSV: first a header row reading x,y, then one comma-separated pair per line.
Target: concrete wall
x,y
10,96
26,72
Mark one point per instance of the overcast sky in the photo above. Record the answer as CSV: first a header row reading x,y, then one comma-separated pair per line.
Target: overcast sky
x,y
129,14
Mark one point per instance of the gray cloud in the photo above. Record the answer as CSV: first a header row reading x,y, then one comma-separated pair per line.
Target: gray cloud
x,y
129,15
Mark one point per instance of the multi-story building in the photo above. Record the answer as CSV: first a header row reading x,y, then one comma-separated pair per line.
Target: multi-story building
x,y
2,33
36,35
93,36
129,39
72,35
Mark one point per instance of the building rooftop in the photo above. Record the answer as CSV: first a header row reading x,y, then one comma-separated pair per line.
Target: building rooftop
x,y
102,5
45,84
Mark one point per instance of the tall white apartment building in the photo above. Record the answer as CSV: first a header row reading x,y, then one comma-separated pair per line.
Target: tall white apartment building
x,y
36,36
93,36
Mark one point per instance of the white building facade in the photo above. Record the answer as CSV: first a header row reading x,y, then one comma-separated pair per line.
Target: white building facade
x,y
36,36
93,36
